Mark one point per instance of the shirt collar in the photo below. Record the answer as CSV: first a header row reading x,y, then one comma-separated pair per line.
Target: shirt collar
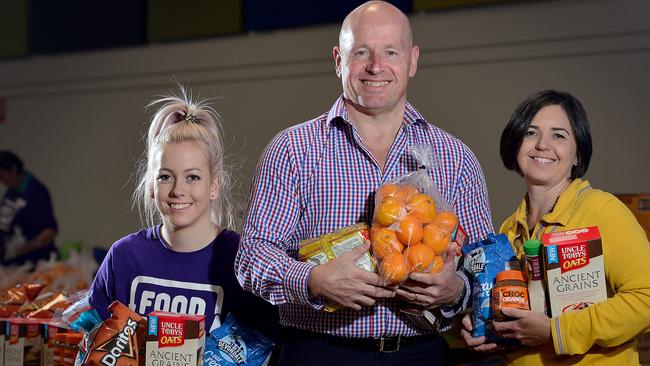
x,y
563,209
339,112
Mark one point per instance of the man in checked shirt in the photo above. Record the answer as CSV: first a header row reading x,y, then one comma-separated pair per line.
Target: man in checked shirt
x,y
318,176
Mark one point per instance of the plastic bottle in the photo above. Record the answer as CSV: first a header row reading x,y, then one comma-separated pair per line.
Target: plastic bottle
x,y
536,291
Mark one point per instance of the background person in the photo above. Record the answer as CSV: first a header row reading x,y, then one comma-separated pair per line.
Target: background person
x,y
548,142
321,175
27,223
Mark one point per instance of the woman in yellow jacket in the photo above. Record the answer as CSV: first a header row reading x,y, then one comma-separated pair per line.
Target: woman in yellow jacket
x,y
548,142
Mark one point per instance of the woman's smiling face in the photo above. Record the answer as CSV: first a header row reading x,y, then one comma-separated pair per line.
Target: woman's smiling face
x,y
548,150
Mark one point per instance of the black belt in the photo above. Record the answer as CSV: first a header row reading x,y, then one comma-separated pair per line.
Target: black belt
x,y
382,344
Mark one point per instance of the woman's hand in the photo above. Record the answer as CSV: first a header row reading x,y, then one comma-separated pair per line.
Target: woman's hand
x,y
477,344
530,328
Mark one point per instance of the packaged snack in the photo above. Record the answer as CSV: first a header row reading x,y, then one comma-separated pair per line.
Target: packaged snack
x,y
118,340
412,225
176,337
234,344
483,260
575,269
24,344
17,296
329,246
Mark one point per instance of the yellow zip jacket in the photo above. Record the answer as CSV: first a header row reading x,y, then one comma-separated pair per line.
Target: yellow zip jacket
x,y
604,333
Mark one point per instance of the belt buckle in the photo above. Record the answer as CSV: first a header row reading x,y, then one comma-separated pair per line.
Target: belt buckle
x,y
389,344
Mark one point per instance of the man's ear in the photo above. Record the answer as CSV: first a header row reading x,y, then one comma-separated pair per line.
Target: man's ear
x,y
336,52
415,55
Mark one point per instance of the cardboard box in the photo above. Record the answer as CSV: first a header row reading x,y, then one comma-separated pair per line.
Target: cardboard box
x,y
174,339
574,269
3,336
23,343
49,330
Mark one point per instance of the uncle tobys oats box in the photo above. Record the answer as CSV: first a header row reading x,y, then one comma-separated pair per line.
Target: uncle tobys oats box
x,y
174,339
575,270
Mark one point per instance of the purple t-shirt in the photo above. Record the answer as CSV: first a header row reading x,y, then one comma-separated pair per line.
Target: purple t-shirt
x,y
142,272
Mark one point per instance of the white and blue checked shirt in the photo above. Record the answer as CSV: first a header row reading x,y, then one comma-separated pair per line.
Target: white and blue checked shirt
x,y
317,177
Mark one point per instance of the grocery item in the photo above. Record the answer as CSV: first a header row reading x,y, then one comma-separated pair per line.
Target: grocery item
x,y
24,343
412,226
176,337
326,247
575,269
509,291
483,260
536,291
118,340
234,344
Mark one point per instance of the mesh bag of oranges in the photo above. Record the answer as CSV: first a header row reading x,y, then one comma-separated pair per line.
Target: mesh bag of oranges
x,y
412,225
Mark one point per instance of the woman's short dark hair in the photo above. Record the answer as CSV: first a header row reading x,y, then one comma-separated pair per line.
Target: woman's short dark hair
x,y
513,133
9,160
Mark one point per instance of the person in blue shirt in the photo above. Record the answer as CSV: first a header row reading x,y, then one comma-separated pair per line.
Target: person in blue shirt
x,y
27,223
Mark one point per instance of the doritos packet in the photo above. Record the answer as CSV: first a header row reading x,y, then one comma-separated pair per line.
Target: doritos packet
x,y
117,341
234,344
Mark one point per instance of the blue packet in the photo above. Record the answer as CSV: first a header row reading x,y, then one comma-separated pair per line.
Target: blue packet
x,y
483,260
233,344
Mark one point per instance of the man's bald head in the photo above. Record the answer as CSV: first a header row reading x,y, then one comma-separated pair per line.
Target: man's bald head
x,y
379,11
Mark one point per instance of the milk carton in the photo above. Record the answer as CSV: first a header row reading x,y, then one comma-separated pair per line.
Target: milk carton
x,y
575,270
174,339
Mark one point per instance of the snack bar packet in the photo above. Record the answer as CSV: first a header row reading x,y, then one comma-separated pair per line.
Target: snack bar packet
x,y
233,344
483,260
413,226
118,340
17,296
329,246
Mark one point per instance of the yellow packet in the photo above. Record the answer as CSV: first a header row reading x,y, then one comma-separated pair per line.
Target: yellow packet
x,y
329,246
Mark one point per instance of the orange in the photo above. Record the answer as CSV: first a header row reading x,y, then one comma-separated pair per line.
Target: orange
x,y
436,237
394,269
389,211
385,191
405,192
446,220
384,242
410,230
438,263
420,257
422,206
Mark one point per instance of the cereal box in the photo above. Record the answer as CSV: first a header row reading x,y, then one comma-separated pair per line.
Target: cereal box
x,y
174,339
23,343
574,266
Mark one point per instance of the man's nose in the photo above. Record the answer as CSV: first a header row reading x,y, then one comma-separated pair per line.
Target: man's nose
x,y
375,64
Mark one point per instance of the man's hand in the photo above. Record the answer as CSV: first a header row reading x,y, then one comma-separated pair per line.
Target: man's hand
x,y
477,344
434,289
531,328
340,280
